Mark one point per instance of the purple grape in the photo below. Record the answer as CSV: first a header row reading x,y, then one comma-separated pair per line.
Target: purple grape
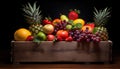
x,y
87,40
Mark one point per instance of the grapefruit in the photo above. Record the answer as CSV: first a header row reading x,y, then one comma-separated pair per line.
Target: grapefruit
x,y
21,34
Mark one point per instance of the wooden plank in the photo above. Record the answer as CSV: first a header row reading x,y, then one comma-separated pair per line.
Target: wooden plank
x,y
47,51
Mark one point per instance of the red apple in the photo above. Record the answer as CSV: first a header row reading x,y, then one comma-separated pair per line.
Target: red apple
x,y
50,37
30,38
63,34
69,38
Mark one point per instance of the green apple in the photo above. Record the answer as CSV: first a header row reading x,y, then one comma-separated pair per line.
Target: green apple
x,y
68,27
41,36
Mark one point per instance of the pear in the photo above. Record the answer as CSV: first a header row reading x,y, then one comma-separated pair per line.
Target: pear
x,y
64,17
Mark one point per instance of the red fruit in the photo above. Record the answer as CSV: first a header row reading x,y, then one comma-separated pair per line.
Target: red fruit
x,y
73,14
92,25
47,21
69,38
50,37
30,38
63,34
59,38
89,26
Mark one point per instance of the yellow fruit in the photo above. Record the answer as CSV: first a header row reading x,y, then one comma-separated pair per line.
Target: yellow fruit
x,y
79,21
85,27
64,17
48,29
21,34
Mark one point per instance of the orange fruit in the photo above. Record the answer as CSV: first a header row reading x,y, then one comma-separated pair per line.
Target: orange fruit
x,y
89,28
59,32
21,34
55,21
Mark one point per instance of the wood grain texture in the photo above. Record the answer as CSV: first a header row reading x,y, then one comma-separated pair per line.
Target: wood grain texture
x,y
47,51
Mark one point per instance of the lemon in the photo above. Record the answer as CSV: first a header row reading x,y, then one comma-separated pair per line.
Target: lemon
x,y
21,34
79,21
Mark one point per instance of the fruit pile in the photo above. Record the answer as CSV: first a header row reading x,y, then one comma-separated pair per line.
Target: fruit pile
x,y
65,28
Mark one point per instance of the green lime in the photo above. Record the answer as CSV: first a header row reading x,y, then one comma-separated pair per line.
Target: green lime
x,y
41,36
68,27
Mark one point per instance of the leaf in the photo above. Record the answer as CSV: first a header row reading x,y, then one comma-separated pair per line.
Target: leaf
x,y
77,26
31,8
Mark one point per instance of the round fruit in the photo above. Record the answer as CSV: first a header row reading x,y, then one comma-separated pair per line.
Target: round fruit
x,y
21,34
59,32
55,21
30,38
50,37
79,21
63,34
41,36
48,29
68,27
64,17
87,27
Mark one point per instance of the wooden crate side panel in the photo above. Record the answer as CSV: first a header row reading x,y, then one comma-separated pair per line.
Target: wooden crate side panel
x,y
61,51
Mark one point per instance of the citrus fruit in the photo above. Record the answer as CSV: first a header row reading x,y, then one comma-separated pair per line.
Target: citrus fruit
x,y
21,34
55,21
41,36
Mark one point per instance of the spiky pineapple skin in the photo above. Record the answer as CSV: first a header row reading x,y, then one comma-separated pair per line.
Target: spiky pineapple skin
x,y
33,17
102,33
101,18
35,28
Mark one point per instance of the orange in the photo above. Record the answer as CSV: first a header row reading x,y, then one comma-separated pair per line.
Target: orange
x,y
55,21
21,34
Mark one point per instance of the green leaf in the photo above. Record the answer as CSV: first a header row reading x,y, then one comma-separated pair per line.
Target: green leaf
x,y
77,26
31,8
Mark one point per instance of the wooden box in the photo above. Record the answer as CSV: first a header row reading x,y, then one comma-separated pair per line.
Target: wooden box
x,y
62,51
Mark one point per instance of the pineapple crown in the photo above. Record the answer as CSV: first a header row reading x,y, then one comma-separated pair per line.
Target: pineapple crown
x,y
32,13
101,17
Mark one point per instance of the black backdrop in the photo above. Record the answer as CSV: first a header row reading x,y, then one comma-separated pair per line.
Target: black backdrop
x,y
14,19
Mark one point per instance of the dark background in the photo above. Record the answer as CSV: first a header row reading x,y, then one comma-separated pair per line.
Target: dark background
x,y
13,18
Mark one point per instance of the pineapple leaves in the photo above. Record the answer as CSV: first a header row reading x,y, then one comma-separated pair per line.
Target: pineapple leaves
x,y
32,13
101,17
34,6
31,8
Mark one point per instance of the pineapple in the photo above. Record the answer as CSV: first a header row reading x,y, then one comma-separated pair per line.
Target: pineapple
x,y
101,17
33,17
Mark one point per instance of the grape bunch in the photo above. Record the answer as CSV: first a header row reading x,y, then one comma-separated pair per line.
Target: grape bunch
x,y
79,35
60,26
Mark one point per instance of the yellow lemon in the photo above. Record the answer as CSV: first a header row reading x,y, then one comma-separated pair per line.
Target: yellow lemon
x,y
79,21
21,34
